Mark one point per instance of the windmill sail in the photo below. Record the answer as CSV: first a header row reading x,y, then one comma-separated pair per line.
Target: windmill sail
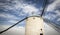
x,y
12,26
52,24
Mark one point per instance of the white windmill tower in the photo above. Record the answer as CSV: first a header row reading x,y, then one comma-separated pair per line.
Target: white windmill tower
x,y
34,26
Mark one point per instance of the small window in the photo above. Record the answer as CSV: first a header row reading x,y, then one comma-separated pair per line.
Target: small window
x,y
41,33
41,29
33,17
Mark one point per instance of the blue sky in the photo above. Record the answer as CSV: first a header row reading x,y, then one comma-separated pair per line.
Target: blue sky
x,y
11,11
15,10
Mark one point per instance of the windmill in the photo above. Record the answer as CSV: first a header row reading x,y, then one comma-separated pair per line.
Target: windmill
x,y
35,24
33,19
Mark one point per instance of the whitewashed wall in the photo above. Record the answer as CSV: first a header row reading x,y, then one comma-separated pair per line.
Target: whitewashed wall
x,y
34,26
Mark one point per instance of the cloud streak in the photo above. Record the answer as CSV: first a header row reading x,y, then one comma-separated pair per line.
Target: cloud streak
x,y
13,31
8,16
52,13
48,30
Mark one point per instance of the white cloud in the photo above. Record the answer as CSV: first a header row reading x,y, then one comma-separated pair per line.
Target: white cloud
x,y
50,16
12,21
18,5
14,31
48,30
30,9
8,16
26,8
52,6
58,12
58,19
